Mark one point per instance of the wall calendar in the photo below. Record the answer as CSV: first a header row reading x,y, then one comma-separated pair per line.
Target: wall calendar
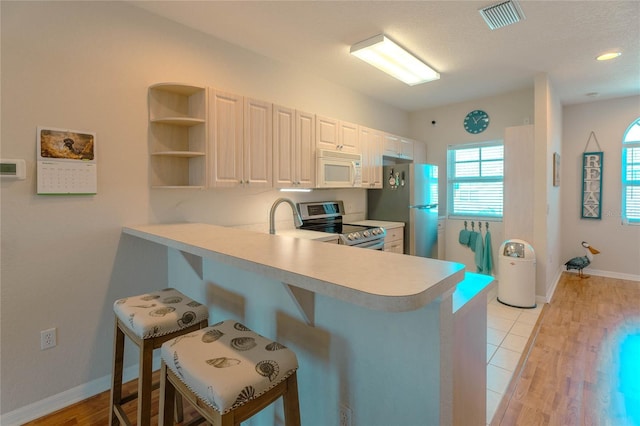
x,y
66,162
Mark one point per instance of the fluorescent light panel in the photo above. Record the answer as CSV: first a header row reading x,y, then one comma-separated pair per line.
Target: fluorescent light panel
x,y
295,189
387,56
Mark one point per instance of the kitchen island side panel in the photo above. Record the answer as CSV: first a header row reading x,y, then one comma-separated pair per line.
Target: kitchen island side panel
x,y
385,366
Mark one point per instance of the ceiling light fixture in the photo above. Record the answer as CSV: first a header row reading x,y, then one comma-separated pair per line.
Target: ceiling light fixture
x,y
387,56
608,56
502,14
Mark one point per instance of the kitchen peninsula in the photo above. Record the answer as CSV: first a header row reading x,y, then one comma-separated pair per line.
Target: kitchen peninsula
x,y
373,331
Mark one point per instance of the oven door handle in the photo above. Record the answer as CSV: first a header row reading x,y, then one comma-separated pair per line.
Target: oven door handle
x,y
372,245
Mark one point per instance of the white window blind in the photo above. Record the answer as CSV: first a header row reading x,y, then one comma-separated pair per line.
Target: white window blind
x,y
476,180
631,174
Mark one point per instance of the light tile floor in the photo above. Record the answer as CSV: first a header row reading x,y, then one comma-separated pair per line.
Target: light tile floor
x,y
508,330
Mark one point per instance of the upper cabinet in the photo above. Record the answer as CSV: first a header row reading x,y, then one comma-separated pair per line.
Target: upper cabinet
x,y
203,137
337,135
258,143
371,145
178,135
241,135
226,135
398,147
294,143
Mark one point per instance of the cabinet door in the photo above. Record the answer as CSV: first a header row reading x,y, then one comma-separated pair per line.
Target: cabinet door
x,y
305,149
348,137
391,143
371,147
405,148
327,133
284,152
258,143
226,136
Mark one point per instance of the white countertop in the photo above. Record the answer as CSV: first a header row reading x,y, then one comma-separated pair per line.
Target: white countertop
x,y
371,278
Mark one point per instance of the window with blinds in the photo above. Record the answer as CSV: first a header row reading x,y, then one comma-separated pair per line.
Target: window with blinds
x,y
631,174
475,180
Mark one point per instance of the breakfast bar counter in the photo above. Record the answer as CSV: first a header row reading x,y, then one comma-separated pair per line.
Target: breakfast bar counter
x,y
376,332
370,278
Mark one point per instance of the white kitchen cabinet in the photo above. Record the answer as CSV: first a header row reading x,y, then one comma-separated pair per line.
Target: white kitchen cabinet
x,y
337,135
241,136
294,147
371,146
394,240
258,143
398,147
178,135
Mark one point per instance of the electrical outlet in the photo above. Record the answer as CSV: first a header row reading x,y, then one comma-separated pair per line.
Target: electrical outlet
x,y
345,415
47,338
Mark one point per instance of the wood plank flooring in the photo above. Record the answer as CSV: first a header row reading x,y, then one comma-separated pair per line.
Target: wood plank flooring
x,y
586,348
95,410
582,366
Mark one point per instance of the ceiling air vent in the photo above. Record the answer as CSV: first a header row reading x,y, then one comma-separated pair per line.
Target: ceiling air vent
x,y
502,14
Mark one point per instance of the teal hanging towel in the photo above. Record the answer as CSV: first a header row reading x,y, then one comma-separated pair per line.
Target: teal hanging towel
x,y
487,259
473,236
479,249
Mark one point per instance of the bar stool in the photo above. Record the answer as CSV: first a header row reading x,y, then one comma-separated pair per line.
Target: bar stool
x,y
228,373
148,320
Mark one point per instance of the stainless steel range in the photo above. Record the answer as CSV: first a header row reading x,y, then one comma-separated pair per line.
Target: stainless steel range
x,y
326,216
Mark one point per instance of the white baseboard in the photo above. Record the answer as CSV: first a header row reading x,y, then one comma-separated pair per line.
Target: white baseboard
x,y
609,274
68,397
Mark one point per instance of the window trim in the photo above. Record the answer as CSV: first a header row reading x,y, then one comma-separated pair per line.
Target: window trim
x,y
451,180
626,145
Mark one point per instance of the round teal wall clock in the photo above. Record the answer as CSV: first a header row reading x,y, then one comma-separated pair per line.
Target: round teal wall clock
x,y
476,121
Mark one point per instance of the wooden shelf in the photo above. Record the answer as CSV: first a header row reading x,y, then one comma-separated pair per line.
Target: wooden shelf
x,y
179,121
178,136
185,154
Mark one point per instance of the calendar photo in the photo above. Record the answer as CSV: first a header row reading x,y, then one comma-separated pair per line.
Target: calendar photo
x,y
66,162
65,144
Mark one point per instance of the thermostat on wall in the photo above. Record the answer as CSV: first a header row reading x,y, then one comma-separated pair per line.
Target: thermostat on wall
x,y
12,169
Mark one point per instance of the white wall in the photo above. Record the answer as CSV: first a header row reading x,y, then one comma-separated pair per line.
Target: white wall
x,y
87,66
619,244
547,209
506,110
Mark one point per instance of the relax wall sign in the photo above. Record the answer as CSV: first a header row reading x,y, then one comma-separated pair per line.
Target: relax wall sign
x,y
592,185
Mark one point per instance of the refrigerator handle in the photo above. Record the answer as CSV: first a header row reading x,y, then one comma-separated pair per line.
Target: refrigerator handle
x,y
424,206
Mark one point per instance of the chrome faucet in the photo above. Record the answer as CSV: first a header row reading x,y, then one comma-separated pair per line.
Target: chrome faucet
x,y
297,220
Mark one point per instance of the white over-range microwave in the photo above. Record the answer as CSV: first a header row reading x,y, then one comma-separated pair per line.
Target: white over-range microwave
x,y
337,169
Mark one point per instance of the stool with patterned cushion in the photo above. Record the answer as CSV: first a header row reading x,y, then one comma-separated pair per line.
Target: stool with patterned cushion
x,y
228,373
148,320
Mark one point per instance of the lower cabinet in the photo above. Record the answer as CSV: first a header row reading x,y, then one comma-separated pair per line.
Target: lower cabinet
x,y
394,241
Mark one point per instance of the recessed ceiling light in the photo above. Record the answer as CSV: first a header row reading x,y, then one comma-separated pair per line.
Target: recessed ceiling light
x,y
608,56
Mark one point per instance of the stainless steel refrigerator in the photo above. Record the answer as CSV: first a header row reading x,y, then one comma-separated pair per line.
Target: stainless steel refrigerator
x,y
409,195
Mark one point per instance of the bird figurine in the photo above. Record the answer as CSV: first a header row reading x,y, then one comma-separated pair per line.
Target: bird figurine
x,y
582,262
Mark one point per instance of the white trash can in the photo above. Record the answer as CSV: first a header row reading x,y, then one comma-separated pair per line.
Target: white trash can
x,y
517,274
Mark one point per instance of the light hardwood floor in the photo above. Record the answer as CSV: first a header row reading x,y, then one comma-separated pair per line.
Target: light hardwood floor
x,y
582,366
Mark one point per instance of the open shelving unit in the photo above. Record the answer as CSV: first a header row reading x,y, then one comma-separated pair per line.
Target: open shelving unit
x,y
178,135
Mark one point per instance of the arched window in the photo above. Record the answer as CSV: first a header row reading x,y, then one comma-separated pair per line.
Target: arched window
x,y
631,174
